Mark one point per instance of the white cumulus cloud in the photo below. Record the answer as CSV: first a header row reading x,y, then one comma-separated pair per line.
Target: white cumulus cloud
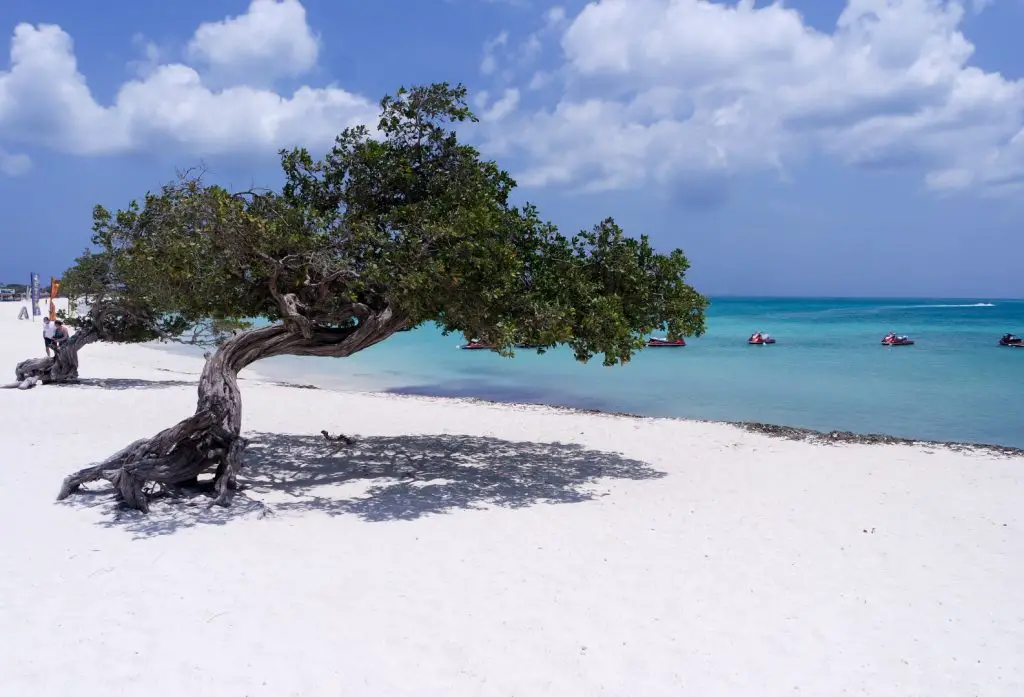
x,y
272,39
502,107
489,63
669,90
14,164
680,93
45,100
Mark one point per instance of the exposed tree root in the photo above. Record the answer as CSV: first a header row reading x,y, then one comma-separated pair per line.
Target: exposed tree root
x,y
61,367
172,457
210,439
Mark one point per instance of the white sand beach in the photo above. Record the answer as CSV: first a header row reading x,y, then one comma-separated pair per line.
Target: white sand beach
x,y
468,549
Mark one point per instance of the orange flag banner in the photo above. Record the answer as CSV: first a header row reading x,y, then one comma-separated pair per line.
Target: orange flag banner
x,y
54,289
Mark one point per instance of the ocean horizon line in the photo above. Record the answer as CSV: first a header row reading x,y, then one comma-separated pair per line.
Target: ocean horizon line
x,y
870,298
848,298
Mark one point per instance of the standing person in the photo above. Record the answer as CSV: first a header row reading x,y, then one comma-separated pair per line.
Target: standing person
x,y
60,335
49,331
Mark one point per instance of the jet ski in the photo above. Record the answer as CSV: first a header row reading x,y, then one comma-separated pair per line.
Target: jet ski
x,y
895,340
655,341
759,339
478,346
1011,340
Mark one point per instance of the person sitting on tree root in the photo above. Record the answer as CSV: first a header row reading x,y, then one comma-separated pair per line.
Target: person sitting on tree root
x,y
60,336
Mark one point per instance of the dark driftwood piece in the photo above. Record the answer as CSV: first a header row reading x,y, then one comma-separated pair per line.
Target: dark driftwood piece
x,y
340,438
342,441
210,439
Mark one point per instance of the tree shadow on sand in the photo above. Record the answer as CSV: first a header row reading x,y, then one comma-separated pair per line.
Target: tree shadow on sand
x,y
386,479
130,383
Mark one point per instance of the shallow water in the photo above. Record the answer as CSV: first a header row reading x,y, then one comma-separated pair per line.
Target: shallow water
x,y
828,370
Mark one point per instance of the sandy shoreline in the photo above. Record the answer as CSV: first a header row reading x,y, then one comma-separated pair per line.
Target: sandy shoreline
x,y
794,433
464,548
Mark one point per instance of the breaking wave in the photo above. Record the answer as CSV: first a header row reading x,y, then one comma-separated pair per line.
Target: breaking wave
x,y
925,307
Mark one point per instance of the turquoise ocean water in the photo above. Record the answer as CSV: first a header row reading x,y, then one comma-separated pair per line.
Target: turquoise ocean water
x,y
828,370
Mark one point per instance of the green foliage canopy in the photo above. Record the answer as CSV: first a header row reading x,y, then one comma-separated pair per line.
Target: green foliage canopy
x,y
405,219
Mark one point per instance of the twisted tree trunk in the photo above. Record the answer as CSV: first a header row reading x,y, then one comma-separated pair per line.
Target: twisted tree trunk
x,y
210,439
61,367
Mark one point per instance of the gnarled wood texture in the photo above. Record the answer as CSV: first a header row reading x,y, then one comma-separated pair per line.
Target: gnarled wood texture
x,y
61,367
210,439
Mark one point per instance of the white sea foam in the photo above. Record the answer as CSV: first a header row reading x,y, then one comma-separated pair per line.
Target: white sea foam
x,y
935,306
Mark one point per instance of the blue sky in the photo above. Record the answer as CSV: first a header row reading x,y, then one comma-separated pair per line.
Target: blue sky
x,y
834,147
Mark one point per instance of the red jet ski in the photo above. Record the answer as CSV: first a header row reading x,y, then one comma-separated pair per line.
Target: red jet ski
x,y
1011,340
655,341
478,346
892,339
759,339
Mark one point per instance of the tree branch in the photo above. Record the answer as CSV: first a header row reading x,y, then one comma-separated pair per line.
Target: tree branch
x,y
289,304
323,287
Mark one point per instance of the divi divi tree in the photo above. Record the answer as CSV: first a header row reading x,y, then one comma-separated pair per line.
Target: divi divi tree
x,y
392,229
